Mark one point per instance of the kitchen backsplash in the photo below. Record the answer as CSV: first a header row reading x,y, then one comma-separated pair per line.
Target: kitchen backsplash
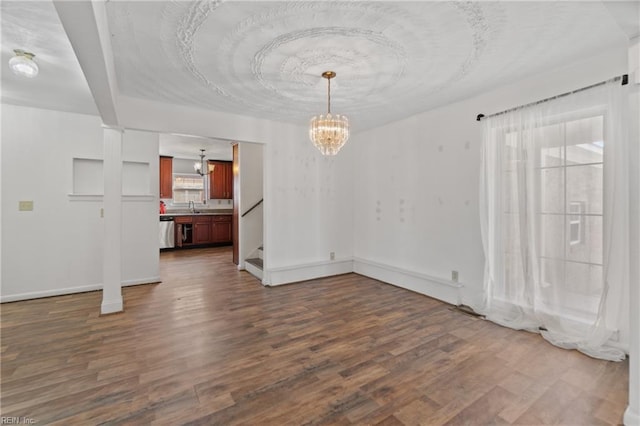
x,y
209,205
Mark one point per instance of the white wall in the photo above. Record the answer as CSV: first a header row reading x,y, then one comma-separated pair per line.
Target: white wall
x,y
250,160
1,200
140,242
416,185
310,198
632,414
183,165
57,247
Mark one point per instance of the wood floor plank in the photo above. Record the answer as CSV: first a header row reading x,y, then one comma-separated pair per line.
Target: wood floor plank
x,y
211,346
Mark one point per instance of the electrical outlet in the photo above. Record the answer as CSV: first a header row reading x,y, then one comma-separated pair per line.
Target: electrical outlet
x,y
25,206
454,276
332,255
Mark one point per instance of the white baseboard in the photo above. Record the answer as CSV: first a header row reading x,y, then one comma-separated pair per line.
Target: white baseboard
x,y
438,288
307,271
111,306
71,290
50,293
139,281
631,418
435,287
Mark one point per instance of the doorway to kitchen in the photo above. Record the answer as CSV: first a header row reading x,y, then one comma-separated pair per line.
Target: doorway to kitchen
x,y
211,195
196,192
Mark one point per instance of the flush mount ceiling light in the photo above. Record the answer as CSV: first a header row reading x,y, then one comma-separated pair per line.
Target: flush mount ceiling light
x,y
23,64
329,133
201,166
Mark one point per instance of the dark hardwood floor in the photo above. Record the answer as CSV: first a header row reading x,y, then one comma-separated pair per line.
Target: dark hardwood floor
x,y
211,346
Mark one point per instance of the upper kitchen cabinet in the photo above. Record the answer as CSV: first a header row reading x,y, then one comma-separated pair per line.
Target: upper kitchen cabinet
x,y
166,177
221,179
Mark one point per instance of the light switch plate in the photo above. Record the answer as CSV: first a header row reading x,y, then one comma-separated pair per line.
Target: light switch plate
x,y
25,206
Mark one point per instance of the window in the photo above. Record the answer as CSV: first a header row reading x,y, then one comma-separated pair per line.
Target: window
x,y
572,217
575,222
568,180
550,170
188,187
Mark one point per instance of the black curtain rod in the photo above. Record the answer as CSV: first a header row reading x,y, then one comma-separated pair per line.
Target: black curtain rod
x,y
624,78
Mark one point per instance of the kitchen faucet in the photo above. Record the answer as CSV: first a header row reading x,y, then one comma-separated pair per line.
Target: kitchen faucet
x,y
192,206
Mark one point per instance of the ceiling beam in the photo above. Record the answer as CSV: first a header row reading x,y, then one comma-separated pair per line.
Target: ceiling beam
x,y
85,23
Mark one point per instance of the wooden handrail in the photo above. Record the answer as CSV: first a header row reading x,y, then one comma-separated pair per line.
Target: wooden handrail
x,y
253,207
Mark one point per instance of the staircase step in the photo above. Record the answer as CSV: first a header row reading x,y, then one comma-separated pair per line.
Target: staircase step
x,y
255,261
254,267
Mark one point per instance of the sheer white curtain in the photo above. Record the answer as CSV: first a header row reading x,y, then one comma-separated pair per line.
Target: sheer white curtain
x,y
554,218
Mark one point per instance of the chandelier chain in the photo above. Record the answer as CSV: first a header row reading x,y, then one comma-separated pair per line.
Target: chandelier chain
x,y
329,96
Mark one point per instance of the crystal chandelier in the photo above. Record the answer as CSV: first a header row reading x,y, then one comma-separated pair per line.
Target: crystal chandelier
x,y
327,132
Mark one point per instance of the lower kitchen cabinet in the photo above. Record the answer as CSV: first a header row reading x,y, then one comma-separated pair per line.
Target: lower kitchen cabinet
x,y
202,230
183,230
221,231
195,230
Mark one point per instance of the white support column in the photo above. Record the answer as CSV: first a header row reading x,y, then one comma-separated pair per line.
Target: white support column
x,y
632,414
112,257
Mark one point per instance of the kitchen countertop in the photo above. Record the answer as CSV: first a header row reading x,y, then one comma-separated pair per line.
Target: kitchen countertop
x,y
201,213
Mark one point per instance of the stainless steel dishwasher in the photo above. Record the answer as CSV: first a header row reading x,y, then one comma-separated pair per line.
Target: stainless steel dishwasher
x,y
167,233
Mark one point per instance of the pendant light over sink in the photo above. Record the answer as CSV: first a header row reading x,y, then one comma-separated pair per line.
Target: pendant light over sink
x,y
329,132
201,166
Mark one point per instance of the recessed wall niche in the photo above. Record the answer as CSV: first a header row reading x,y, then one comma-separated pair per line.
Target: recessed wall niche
x,y
88,177
136,179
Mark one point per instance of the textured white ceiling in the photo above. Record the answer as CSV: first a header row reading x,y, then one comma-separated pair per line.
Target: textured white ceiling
x,y
34,26
393,59
264,59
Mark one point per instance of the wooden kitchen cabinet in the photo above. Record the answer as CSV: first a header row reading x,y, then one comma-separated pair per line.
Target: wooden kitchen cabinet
x,y
183,219
221,231
183,231
193,230
220,179
166,177
202,230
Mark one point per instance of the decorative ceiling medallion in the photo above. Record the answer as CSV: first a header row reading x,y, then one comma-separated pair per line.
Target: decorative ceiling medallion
x,y
196,15
374,43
